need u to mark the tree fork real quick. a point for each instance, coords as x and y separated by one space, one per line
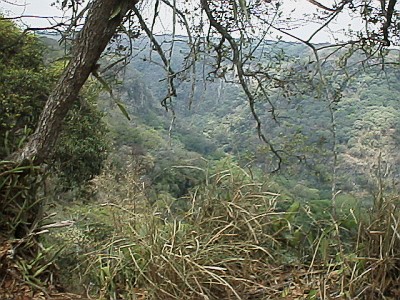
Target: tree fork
103 19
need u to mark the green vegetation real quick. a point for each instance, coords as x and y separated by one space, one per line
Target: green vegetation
24 86
82 146
147 208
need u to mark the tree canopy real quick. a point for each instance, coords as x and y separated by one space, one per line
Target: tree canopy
26 81
235 31
174 203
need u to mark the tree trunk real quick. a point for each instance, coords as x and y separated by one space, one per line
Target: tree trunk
103 19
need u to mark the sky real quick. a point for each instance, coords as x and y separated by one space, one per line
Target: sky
33 9
42 8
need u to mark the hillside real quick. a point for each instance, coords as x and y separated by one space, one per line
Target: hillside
213 119
155 197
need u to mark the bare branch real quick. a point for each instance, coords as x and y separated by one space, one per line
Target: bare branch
170 73
241 75
13 3
322 6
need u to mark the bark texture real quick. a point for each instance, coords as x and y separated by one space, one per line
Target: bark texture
103 19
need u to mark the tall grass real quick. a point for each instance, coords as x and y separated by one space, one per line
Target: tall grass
216 248
19 205
376 272
231 238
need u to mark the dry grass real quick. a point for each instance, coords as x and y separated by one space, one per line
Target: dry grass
228 240
376 273
214 249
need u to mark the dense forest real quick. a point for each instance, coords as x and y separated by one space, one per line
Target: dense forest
185 189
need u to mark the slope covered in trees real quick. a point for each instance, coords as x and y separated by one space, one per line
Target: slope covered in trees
265 178
213 119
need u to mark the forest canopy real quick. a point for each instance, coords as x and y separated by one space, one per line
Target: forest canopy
200 150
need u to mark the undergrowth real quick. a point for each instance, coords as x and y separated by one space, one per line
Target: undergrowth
229 238
25 265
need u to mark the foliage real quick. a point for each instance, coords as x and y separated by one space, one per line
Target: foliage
365 117
19 206
174 226
198 252
228 239
379 275
24 85
25 82
82 146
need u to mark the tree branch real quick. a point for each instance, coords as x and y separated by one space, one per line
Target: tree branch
103 19
241 75
322 6
389 14
171 74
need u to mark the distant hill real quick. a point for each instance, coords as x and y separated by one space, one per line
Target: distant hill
212 117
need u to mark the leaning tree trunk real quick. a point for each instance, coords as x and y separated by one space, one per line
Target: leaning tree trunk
19 208
102 21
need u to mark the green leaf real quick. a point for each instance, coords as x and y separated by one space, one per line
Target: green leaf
285 292
41 270
104 83
115 12
292 211
294 208
312 295
323 248
123 110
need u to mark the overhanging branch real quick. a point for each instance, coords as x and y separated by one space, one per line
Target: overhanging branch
241 75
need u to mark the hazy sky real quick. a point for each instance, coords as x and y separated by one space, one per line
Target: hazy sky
43 8
31 7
